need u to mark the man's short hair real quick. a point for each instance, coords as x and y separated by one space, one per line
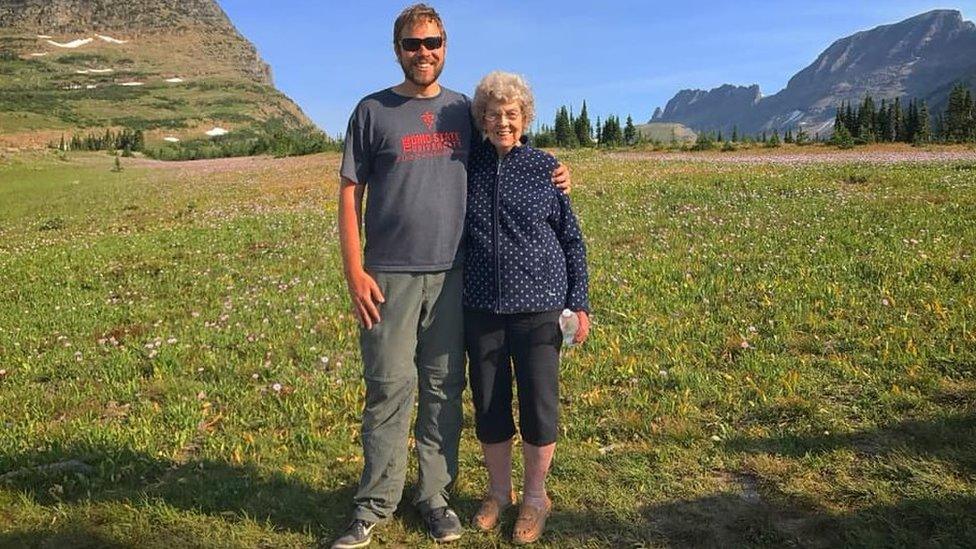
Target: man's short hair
417 13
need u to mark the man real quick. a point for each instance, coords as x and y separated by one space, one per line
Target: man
409 144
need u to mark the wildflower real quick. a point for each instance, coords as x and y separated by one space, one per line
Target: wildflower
276 387
171 340
663 373
254 376
3 373
885 302
324 360
744 344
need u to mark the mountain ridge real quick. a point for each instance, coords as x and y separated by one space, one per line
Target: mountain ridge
173 68
919 57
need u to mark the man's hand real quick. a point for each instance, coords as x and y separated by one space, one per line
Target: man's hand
561 179
584 327
366 297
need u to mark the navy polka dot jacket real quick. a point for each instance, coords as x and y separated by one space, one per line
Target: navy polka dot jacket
524 249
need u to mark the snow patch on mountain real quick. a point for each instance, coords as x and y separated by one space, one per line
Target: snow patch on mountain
73 44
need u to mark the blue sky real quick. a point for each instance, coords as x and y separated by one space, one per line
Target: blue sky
621 56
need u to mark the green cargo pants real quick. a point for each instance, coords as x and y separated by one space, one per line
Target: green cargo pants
418 344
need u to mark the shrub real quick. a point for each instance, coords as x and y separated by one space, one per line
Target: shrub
704 142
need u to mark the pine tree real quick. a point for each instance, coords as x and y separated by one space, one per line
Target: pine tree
801 137
735 134
630 132
866 120
898 121
851 120
970 117
842 138
958 115
612 135
923 132
599 131
565 136
882 121
583 128
703 142
912 122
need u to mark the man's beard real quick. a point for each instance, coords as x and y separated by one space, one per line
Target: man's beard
408 73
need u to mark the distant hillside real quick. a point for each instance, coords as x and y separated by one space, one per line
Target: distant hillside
666 132
920 57
176 68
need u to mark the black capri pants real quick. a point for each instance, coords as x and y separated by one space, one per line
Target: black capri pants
530 342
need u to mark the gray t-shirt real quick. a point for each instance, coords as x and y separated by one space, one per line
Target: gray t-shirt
411 153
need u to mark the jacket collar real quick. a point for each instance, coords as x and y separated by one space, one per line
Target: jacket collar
493 154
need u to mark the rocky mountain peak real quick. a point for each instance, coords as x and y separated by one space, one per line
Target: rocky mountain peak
919 57
69 19
132 16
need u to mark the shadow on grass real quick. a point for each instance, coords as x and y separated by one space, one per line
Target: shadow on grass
951 439
74 538
748 512
754 513
97 475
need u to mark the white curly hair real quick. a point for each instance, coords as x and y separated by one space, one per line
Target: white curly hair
504 87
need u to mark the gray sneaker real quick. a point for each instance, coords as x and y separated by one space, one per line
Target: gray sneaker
358 534
443 525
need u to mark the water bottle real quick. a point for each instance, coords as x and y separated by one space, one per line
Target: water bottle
568 325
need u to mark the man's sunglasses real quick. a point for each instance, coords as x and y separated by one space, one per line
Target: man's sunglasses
413 44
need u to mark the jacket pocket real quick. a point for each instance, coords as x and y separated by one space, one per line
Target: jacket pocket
544 272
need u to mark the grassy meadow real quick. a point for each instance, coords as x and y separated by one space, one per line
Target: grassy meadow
782 355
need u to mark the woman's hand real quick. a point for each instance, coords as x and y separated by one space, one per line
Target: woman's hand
584 327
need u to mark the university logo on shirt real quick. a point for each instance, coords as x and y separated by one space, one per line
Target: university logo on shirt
428 119
428 144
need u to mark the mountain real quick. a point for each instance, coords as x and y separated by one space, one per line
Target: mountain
174 68
920 57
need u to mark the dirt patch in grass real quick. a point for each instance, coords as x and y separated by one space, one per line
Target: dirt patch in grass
737 515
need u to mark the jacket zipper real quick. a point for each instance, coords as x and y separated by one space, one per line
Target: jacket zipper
498 261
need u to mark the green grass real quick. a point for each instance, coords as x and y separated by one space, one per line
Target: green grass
780 356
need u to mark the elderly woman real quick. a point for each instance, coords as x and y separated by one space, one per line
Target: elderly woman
525 262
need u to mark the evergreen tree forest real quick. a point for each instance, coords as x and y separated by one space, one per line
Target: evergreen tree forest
896 122
274 138
570 131
123 140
